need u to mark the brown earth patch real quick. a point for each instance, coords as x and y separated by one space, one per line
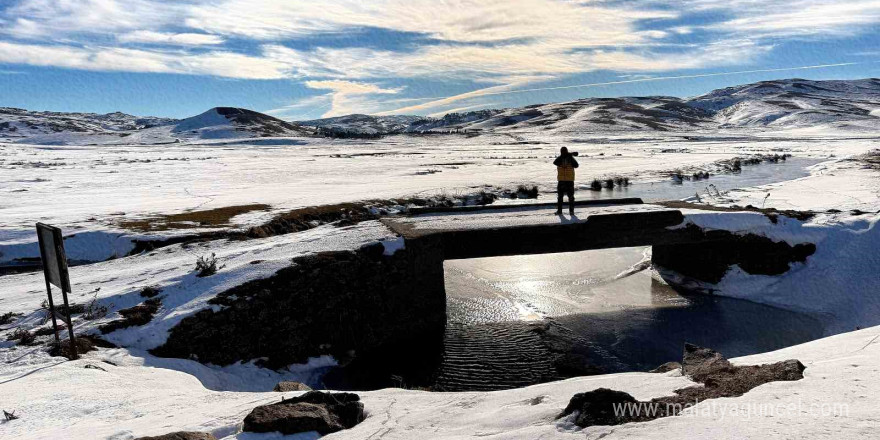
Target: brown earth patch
771 213
719 378
208 218
134 316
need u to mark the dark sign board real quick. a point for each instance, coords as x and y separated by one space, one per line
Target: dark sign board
55 270
52 253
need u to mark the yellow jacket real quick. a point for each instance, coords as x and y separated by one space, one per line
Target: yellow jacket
565 173
565 166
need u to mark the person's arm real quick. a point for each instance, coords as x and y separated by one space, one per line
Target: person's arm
574 162
558 161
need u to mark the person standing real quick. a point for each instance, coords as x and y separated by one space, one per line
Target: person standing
565 165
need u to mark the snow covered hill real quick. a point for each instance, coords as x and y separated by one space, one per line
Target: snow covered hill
18 124
794 103
781 104
218 123
365 124
50 128
849 105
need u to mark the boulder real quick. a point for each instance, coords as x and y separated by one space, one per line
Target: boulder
182 435
700 363
718 376
313 411
667 367
597 407
286 386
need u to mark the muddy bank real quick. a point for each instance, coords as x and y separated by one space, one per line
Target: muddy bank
716 251
341 303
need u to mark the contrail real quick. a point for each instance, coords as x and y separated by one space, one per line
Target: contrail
476 93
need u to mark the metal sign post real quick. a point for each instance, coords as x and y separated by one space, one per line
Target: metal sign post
55 271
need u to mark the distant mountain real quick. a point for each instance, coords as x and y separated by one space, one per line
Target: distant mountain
19 123
779 104
852 105
219 123
119 128
794 103
365 124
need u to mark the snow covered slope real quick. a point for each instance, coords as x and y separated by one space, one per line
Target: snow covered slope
218 123
850 105
790 103
794 103
48 128
365 124
54 127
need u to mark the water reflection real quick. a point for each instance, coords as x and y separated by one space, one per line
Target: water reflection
621 314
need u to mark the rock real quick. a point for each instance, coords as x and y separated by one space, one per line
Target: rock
286 386
700 363
718 376
182 436
667 367
313 411
597 407
291 418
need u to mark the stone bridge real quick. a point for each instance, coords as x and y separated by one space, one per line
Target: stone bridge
370 303
499 230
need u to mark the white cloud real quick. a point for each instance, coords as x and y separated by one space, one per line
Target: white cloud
505 43
349 87
59 18
183 39
792 18
576 24
348 96
500 63
217 63
443 102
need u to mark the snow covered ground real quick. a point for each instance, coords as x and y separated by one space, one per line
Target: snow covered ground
90 190
837 398
99 187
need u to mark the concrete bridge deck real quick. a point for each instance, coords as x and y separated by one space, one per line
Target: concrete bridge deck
474 232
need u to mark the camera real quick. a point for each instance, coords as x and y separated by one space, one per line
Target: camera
573 153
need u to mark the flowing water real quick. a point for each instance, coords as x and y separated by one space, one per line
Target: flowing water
617 310
755 175
606 308
625 317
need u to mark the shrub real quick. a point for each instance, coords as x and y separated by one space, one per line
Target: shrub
609 183
6 318
150 292
94 310
47 331
206 265
134 316
23 336
525 192
596 185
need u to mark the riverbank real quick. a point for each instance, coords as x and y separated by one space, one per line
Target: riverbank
130 396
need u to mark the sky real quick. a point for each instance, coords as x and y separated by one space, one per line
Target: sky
308 59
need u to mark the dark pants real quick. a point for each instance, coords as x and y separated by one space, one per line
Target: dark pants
564 188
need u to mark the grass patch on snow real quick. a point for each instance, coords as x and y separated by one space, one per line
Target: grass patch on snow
208 218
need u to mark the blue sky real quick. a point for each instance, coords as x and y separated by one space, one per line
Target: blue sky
308 59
